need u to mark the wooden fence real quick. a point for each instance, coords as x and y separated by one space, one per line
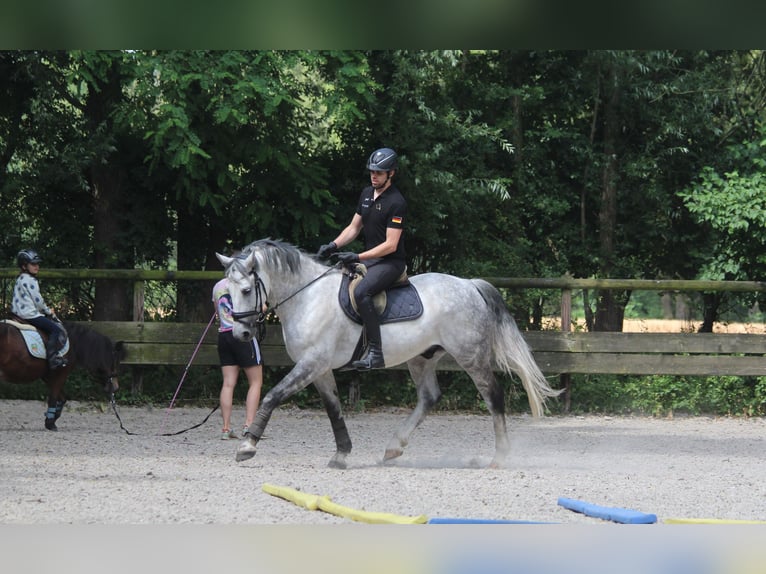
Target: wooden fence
557 352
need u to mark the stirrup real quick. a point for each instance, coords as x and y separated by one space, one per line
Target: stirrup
57 362
373 359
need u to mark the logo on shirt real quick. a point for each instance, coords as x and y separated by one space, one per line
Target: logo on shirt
396 219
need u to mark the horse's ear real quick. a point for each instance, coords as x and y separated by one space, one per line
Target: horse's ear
225 261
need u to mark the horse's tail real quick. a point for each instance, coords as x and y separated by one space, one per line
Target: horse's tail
511 352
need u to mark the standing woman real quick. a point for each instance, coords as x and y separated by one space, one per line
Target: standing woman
28 304
233 356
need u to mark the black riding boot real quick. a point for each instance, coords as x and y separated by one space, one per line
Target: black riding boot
374 357
55 342
52 352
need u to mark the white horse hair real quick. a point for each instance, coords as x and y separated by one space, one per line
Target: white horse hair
465 318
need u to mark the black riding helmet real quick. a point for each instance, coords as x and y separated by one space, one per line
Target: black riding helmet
26 256
384 159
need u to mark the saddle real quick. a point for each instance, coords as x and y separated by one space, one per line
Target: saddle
400 302
33 339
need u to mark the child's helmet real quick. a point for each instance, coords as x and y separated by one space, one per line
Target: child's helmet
28 256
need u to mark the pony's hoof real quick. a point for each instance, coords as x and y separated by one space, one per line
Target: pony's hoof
246 450
51 425
392 453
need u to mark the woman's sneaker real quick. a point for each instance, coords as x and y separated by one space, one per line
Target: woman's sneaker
228 434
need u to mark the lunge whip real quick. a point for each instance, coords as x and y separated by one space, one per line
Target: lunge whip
186 370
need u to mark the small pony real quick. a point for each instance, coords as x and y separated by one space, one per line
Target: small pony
94 352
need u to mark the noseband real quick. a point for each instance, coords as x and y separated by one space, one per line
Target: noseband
260 290
258 312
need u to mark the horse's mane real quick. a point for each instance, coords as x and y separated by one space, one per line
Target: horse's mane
278 254
92 350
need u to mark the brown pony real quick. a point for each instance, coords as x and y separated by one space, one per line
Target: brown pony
88 349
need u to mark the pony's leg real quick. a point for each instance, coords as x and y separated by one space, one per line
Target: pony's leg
50 415
55 404
492 393
423 372
328 390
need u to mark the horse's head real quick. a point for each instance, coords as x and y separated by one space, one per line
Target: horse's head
248 291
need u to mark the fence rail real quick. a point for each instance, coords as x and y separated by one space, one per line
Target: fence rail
556 352
564 284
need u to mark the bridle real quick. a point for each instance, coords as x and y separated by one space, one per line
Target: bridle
261 301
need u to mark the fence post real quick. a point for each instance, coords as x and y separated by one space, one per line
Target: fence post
566 327
139 302
139 291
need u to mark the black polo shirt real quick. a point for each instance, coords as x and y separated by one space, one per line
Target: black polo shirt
389 210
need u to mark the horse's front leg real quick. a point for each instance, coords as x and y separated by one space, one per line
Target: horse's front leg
328 390
297 379
56 402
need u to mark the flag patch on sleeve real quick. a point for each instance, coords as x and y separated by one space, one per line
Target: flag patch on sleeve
396 219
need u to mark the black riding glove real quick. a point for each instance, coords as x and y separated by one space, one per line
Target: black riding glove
326 250
348 257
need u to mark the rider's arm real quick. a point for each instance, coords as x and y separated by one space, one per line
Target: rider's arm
350 232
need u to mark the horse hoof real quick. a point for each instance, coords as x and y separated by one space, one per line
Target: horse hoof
498 463
391 454
51 426
246 450
336 462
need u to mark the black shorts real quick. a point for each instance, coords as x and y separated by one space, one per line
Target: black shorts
232 351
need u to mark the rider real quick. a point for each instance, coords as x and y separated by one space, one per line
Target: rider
28 304
381 211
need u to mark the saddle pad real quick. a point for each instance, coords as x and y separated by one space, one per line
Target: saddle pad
402 303
34 343
34 340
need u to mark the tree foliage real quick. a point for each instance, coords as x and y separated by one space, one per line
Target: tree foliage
530 163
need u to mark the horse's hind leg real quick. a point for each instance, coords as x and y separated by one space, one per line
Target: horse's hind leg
492 393
423 372
328 390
